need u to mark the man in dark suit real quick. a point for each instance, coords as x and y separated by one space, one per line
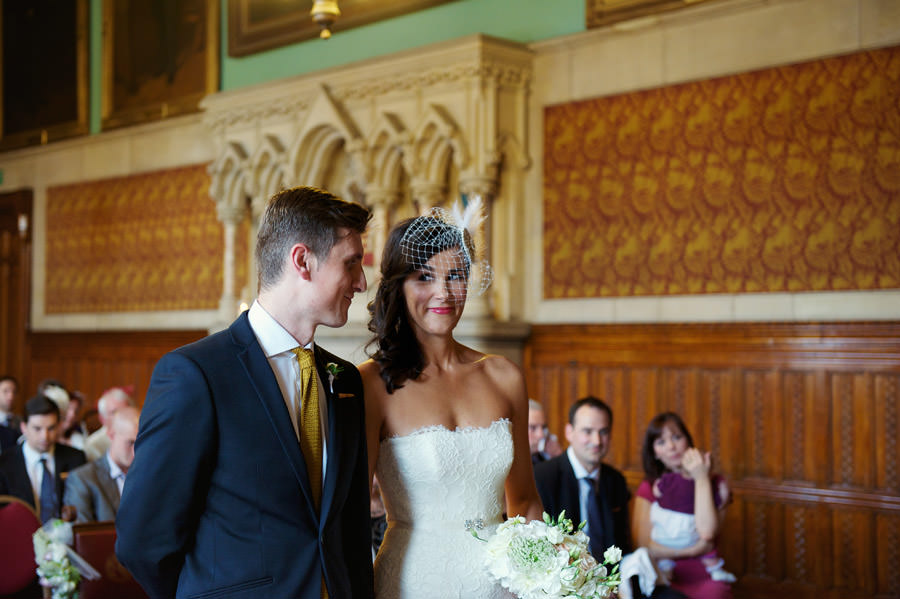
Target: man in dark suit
565 482
9 423
227 496
95 488
34 470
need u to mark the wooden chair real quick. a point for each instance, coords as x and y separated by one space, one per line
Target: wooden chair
18 521
96 542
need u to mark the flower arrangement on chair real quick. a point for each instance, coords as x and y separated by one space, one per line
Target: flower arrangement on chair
60 569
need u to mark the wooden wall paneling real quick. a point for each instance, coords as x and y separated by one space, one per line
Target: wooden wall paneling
803 418
731 547
842 434
548 384
854 543
887 430
609 385
732 424
887 554
863 429
797 534
91 362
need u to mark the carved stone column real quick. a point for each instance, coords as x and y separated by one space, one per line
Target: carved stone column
380 201
231 216
427 195
482 187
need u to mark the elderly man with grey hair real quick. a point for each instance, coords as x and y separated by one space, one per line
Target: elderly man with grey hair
109 403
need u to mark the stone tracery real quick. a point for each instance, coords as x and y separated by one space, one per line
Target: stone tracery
400 135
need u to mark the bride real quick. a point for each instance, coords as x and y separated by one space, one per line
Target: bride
446 425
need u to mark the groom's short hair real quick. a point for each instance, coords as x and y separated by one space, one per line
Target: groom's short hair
302 215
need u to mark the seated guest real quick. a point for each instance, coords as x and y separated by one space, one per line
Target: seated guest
73 431
32 470
94 489
580 483
111 400
541 443
53 390
9 422
681 494
537 431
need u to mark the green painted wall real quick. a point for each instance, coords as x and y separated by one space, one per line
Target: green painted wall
96 64
519 20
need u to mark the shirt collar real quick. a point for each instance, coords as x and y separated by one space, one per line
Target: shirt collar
580 471
114 470
32 457
273 338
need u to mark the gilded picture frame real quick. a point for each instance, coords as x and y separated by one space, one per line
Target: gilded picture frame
44 79
607 12
160 58
257 25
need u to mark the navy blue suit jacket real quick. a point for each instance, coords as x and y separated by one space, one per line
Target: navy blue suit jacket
14 477
217 502
558 488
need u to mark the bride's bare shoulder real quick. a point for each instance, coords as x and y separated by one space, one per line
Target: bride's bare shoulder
369 372
503 370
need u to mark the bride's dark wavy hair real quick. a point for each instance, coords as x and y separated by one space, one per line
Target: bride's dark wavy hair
397 351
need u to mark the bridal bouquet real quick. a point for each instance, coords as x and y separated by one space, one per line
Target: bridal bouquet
548 560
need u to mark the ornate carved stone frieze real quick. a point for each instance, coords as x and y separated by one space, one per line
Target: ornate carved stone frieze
400 134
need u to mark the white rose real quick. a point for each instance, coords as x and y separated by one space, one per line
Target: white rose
613 555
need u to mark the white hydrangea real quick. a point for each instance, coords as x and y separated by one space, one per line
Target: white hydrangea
547 560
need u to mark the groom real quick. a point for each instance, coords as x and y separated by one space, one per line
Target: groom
250 472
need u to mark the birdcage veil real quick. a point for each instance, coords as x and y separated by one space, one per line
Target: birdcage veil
456 229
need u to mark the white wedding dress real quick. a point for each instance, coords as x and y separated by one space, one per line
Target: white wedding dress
434 481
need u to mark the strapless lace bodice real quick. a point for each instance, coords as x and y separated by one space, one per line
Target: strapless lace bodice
433 481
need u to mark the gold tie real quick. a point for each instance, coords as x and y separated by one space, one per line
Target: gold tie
310 429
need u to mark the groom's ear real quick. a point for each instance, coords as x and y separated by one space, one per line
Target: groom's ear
302 261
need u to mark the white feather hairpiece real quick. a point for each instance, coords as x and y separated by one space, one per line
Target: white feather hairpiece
469 218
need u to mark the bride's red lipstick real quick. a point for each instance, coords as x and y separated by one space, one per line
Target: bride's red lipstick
441 310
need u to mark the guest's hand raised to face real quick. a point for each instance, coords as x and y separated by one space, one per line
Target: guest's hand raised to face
696 463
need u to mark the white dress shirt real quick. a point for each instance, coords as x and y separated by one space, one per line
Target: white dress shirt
277 344
115 473
36 470
583 486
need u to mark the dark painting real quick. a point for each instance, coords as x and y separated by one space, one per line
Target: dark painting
44 71
160 58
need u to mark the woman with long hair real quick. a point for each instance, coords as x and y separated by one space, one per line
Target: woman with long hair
679 509
447 425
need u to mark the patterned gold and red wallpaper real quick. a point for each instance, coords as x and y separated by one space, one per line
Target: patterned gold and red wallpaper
786 179
138 243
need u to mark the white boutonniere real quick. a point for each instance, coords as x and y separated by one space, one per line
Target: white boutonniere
333 371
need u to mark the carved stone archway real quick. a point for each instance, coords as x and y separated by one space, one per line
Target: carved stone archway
400 134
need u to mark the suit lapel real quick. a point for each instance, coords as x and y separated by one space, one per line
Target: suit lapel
604 493
338 446
269 394
20 484
572 497
108 486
